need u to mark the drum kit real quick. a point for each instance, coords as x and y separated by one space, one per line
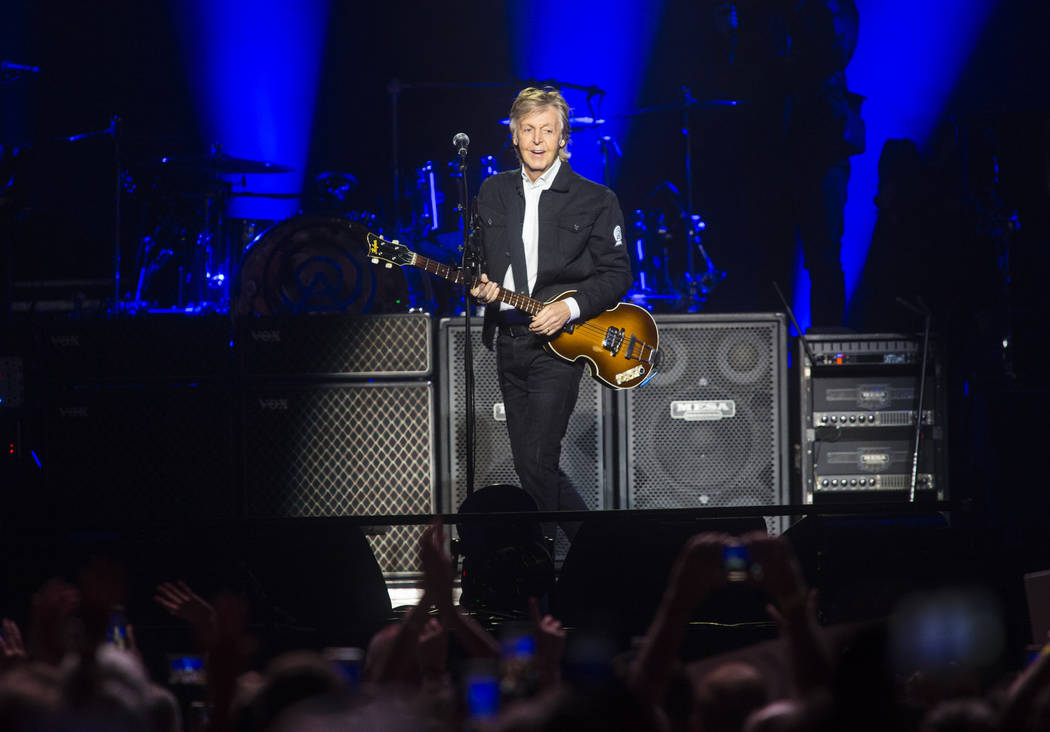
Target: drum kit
192 256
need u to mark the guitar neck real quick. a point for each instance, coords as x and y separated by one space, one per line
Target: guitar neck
514 299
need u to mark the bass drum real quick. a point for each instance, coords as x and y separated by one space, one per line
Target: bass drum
315 264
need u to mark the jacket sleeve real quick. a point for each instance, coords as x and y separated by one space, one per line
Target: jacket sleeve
611 278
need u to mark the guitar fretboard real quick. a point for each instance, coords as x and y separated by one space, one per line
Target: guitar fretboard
514 299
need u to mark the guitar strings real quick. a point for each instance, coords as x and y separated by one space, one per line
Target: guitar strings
458 276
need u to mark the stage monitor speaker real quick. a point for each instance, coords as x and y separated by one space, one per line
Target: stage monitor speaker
584 453
131 453
343 450
336 346
710 428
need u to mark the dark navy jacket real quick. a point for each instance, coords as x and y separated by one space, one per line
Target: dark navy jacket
582 242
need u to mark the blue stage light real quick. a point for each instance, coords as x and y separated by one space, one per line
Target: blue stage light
604 46
909 57
254 66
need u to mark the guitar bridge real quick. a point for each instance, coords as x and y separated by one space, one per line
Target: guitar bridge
640 351
613 340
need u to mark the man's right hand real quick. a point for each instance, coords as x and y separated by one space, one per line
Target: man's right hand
486 290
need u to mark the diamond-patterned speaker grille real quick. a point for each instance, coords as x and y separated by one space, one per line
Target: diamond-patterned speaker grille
581 455
704 431
338 345
346 450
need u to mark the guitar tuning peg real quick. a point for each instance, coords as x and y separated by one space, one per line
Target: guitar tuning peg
396 241
375 260
389 266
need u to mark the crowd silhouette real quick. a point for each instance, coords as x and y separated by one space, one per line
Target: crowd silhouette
438 667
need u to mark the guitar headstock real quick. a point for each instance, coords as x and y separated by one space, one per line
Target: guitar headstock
391 252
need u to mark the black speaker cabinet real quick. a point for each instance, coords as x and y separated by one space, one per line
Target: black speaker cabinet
336 346
585 449
858 408
343 450
118 453
710 428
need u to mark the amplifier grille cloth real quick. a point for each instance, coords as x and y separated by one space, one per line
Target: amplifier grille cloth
581 456
733 461
338 345
342 451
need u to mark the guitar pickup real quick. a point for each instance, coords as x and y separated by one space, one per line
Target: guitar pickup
613 340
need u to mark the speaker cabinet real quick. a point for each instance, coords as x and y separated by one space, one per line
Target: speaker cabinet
343 450
584 450
336 346
118 453
710 428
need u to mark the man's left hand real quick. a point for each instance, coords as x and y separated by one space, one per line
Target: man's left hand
551 319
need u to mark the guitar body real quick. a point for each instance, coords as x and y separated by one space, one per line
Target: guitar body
620 344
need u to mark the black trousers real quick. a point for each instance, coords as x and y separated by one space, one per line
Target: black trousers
539 394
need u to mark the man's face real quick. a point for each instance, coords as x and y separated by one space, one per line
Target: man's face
538 140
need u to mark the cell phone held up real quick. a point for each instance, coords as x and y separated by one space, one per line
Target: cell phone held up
737 562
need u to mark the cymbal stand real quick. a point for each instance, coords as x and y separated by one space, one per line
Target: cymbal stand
698 288
112 131
687 132
605 142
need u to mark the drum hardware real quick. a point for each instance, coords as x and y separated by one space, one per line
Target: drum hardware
314 264
114 132
207 259
576 124
336 187
217 162
694 285
11 71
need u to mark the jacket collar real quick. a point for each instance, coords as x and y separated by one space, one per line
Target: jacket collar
561 181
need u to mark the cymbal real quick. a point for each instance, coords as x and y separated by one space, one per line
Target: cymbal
575 123
683 105
222 164
252 194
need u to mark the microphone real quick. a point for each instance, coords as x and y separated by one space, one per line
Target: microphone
460 142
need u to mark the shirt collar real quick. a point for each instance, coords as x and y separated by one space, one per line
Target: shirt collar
544 180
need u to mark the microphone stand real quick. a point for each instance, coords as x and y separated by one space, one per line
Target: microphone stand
928 316
469 264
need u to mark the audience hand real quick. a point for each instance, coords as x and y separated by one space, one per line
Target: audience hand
12 650
438 572
51 617
433 647
182 602
699 569
778 571
550 642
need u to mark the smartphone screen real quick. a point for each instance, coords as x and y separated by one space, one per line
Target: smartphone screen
482 689
737 561
117 629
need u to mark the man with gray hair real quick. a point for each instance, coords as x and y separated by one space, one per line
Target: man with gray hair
546 230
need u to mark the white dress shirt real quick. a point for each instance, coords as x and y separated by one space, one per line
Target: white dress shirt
530 234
